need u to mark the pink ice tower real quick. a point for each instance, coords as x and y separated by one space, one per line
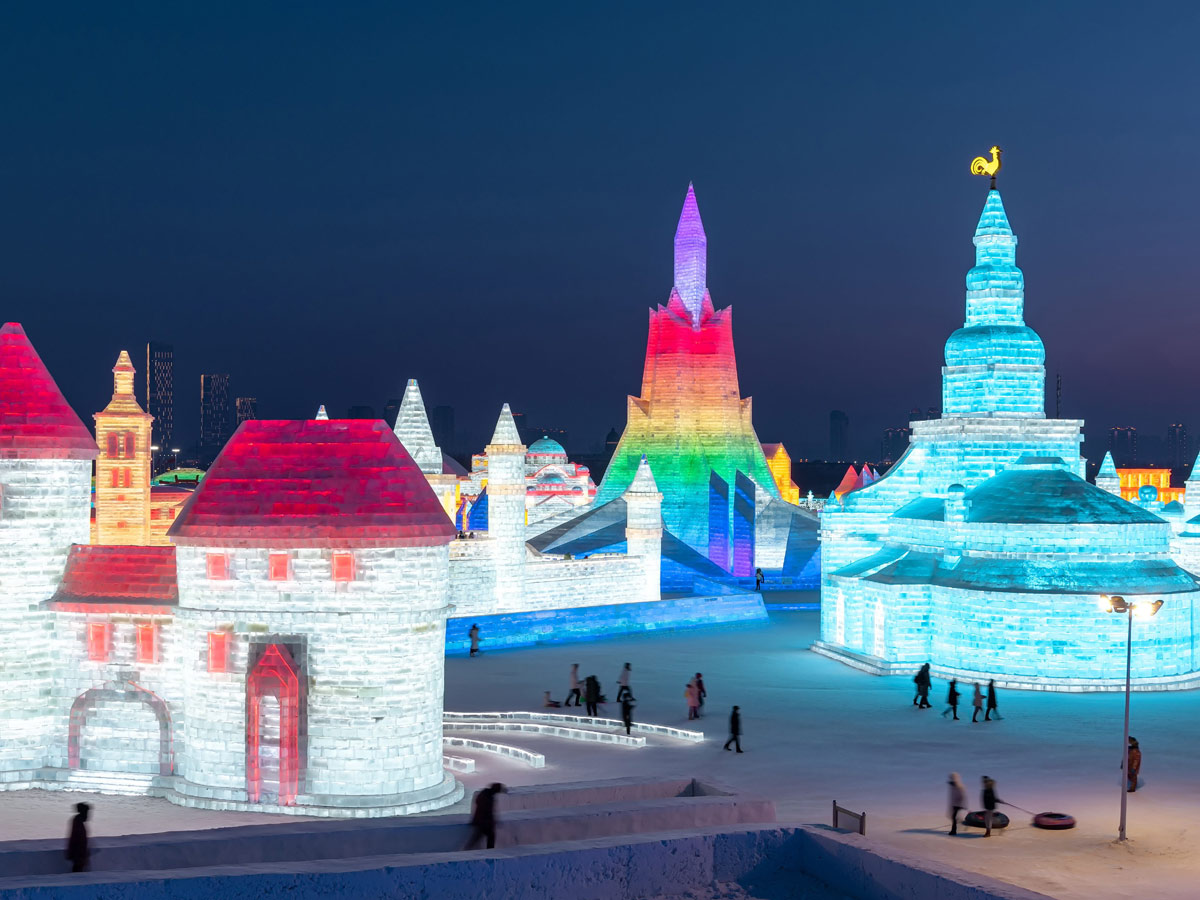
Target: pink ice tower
691 258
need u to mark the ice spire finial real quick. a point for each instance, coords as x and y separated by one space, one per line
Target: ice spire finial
691 256
506 429
1108 467
412 427
123 374
321 414
643 480
995 287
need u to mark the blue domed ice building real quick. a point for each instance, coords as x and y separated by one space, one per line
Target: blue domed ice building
983 550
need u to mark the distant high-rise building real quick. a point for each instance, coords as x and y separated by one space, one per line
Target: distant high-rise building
895 442
360 412
1178 448
215 418
1122 444
247 408
391 411
160 401
839 435
441 423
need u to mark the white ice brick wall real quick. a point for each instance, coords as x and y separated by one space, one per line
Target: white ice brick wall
44 509
373 657
506 520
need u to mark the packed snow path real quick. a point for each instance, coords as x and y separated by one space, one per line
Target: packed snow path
816 731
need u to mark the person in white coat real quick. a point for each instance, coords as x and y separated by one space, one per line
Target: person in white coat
574 691
958 800
623 690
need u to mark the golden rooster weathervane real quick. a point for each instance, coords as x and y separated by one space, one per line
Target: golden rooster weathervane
983 166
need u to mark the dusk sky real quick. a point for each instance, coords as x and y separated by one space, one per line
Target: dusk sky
327 199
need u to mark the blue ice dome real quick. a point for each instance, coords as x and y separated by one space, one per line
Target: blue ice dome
1147 493
545 446
551 478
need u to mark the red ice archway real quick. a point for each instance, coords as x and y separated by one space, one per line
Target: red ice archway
276 676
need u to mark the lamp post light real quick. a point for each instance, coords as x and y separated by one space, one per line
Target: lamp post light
1144 608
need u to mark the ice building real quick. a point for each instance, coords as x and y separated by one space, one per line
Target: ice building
722 508
983 550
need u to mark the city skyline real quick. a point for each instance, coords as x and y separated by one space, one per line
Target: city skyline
324 252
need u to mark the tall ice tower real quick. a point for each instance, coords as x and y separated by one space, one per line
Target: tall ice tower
690 419
123 469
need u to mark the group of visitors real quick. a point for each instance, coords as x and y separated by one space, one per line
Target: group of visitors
924 682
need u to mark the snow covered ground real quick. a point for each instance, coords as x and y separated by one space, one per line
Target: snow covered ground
817 731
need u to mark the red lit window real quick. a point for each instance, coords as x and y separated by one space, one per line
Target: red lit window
129 444
173 511
113 446
278 567
97 641
218 651
155 513
343 566
127 477
147 643
116 479
218 566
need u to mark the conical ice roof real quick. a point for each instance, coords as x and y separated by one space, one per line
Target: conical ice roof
643 480
321 414
36 422
506 429
412 427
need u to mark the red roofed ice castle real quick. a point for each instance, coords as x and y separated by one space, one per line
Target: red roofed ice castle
285 652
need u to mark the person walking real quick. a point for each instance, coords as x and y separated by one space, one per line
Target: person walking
77 842
574 691
977 702
473 634
735 729
483 819
958 800
1134 764
952 700
591 693
923 682
623 690
703 693
691 693
759 578
627 712
989 804
991 702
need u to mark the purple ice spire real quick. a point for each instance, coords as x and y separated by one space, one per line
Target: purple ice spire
691 256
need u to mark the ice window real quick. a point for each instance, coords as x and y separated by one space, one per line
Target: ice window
129 442
218 651
114 446
279 564
97 641
218 566
343 566
147 643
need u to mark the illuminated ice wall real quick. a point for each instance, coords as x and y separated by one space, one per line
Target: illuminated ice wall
690 420
983 550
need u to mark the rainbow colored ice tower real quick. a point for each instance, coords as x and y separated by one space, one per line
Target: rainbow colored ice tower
691 421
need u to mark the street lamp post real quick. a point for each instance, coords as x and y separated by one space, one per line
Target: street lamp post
1147 608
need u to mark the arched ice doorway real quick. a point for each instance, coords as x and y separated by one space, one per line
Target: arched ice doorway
120 727
274 707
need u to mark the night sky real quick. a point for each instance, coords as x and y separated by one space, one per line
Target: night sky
325 200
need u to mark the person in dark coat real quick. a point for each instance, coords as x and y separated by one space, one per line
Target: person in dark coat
991 703
627 712
735 729
702 692
759 578
952 700
483 819
1135 764
989 804
923 682
473 634
77 842
591 694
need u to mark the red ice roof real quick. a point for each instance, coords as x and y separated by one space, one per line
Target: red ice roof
36 421
313 483
119 576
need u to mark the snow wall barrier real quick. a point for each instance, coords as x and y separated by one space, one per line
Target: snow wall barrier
658 865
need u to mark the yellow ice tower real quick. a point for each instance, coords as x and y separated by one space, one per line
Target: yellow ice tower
123 467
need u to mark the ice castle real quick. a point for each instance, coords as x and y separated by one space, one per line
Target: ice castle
983 550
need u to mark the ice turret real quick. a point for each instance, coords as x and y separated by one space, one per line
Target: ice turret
1107 478
1191 493
691 257
123 467
412 427
995 363
321 414
643 527
506 429
506 510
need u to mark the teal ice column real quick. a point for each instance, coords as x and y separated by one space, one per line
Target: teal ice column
995 363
